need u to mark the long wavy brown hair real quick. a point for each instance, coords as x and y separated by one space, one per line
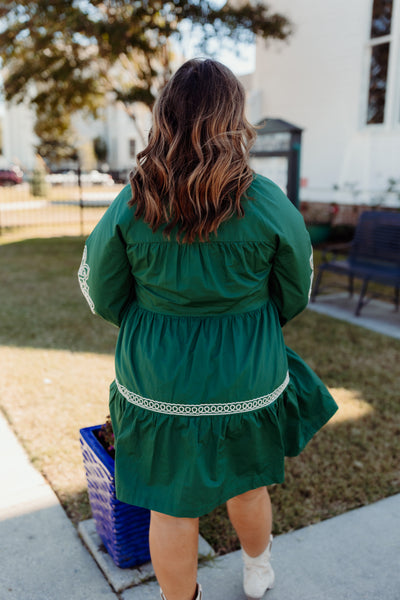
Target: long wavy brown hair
194 172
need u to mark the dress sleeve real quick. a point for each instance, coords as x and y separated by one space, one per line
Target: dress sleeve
292 270
105 274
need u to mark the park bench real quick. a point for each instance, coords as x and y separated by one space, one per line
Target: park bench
373 256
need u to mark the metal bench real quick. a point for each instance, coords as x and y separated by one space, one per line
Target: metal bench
373 255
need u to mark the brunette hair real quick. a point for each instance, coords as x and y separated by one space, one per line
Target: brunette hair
194 172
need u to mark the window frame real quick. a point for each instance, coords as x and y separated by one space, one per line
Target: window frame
132 142
391 118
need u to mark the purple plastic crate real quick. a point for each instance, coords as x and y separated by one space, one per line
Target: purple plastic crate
123 528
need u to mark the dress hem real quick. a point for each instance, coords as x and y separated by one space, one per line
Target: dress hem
248 484
193 514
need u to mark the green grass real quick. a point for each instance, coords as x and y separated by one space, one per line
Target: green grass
57 362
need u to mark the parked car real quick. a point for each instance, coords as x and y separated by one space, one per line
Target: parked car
71 178
62 178
97 178
10 176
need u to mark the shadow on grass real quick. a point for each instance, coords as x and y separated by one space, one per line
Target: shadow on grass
41 302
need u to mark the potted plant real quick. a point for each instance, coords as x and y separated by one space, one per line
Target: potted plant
319 218
123 528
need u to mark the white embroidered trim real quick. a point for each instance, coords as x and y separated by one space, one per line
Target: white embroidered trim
83 275
200 410
312 274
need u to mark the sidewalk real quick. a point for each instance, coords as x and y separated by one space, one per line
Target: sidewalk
351 557
376 315
41 555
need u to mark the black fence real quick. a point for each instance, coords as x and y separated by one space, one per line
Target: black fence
63 207
44 208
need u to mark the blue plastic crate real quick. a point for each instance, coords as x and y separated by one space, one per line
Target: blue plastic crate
123 528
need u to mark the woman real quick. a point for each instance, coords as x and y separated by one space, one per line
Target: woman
200 262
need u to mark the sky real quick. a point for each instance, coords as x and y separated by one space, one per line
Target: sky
241 61
244 65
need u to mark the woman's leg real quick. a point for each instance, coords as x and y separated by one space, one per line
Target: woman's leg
251 516
174 550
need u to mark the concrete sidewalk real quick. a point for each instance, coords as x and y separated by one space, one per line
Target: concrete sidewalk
355 556
377 316
41 555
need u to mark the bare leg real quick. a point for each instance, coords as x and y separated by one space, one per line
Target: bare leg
251 516
174 549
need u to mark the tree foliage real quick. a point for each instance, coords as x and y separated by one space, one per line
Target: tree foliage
65 56
100 149
57 140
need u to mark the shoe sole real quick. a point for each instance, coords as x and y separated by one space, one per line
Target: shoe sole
260 597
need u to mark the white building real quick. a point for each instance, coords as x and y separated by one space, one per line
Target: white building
115 127
18 139
337 78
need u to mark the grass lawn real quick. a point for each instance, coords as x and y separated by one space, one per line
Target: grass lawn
57 362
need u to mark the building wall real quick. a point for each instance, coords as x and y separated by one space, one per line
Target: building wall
120 129
319 81
18 136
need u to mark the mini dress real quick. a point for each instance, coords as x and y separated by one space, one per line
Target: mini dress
207 399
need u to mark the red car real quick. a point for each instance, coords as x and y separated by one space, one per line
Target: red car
10 177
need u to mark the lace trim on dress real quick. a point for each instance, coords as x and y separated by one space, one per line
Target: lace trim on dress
83 276
200 410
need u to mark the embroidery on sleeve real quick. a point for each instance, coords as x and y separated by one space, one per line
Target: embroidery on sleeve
312 273
83 276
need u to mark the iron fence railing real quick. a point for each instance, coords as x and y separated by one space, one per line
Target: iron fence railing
62 209
42 208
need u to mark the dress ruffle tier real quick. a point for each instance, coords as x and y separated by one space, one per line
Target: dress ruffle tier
185 466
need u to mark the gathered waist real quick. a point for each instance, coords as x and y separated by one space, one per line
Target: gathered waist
201 300
187 313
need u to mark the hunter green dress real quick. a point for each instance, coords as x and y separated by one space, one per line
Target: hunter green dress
207 399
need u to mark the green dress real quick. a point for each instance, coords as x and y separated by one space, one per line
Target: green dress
207 399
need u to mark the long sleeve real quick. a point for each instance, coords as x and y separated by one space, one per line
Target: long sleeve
105 274
292 271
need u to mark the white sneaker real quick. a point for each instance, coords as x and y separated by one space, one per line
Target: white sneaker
258 576
199 595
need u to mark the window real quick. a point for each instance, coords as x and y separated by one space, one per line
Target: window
381 18
380 47
132 148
